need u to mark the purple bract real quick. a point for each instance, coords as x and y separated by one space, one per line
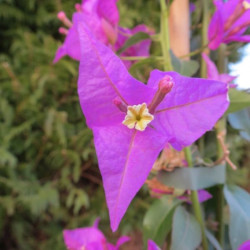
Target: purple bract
132 122
213 73
102 17
229 22
90 238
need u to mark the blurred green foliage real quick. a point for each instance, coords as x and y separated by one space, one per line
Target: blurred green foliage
49 179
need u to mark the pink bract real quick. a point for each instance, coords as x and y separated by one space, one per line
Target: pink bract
125 155
91 238
229 23
245 245
213 73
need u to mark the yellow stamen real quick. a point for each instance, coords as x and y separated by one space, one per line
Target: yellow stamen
138 117
246 5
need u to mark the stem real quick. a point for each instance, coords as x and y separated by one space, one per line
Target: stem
164 37
136 58
195 52
195 201
220 128
205 23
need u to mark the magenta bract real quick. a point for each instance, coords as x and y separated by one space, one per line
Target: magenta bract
213 73
126 155
229 22
245 245
90 238
102 17
152 245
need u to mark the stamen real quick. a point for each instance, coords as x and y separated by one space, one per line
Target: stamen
246 5
120 104
63 31
109 31
238 12
63 18
138 117
165 85
237 29
78 7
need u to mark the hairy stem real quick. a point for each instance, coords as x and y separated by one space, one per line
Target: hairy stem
220 128
164 37
195 202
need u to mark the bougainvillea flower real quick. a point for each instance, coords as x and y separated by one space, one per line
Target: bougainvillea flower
118 108
213 73
245 245
101 16
138 49
229 22
152 245
203 196
90 238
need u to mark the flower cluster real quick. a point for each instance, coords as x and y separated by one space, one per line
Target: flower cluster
229 22
132 122
102 17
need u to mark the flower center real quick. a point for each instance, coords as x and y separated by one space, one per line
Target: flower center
246 5
138 117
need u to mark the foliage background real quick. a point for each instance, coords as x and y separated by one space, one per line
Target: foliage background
49 178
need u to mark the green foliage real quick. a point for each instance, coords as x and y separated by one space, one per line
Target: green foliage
239 206
186 231
158 227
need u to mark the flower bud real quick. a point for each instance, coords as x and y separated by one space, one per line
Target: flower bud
63 31
120 104
63 18
166 84
78 7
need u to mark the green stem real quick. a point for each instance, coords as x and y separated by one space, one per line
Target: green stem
195 52
195 202
136 58
205 23
220 128
164 37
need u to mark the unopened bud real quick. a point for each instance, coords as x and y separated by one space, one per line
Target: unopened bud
63 31
78 7
61 15
120 104
63 18
166 84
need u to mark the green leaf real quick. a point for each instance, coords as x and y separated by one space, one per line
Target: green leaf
241 120
158 219
239 207
184 67
193 178
238 100
213 240
186 231
138 37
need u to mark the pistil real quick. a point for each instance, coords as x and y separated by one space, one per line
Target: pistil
63 18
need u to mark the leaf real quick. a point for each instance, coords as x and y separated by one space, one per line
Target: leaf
238 100
186 231
239 207
193 178
241 120
213 240
157 227
184 67
138 37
